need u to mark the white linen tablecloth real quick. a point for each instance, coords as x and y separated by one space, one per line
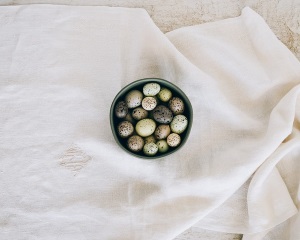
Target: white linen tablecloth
62 176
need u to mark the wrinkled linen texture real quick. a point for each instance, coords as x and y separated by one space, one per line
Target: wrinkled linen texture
62 175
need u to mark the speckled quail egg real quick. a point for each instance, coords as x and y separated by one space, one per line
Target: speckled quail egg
135 143
125 129
150 139
133 98
151 89
162 114
121 109
179 124
164 94
173 140
139 113
162 146
162 131
149 103
150 149
176 105
145 127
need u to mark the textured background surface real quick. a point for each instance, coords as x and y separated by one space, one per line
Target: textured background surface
283 16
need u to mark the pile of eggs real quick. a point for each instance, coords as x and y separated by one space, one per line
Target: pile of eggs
151 119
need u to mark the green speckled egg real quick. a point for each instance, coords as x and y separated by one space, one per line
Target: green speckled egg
162 146
145 127
133 98
151 89
179 124
164 94
150 149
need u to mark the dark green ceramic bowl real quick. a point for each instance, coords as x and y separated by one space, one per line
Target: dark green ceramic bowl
114 121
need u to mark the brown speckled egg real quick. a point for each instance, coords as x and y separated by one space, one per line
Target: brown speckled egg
125 129
135 143
139 113
149 103
162 114
150 139
133 98
121 109
173 140
162 131
176 105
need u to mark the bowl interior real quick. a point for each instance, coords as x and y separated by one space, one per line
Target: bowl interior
114 121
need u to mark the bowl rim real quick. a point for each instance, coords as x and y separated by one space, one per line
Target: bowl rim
147 80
